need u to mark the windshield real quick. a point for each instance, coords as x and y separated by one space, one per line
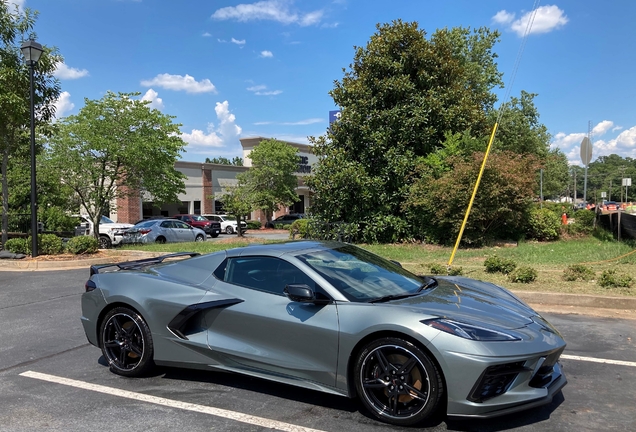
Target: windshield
199 218
360 275
104 219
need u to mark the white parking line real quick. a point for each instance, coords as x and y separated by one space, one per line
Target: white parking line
598 360
231 415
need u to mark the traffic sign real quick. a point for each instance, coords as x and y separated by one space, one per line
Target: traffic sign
586 151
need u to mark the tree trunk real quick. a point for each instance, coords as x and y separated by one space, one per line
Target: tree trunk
5 195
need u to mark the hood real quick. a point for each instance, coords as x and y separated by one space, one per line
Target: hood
115 225
472 301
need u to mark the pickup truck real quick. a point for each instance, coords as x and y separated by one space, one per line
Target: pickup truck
109 231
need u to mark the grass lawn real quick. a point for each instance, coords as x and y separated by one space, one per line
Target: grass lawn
549 259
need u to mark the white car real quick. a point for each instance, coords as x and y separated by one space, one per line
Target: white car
228 223
110 232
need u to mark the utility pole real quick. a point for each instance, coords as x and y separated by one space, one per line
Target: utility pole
574 198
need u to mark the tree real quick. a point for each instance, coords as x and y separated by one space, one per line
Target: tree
271 181
400 98
236 161
16 26
556 175
236 202
114 147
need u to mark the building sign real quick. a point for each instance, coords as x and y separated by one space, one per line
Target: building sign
334 116
303 165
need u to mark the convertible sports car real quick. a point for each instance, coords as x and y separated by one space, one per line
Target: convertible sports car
332 317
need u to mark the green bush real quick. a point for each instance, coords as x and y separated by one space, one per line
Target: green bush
253 224
543 225
455 271
82 245
578 272
17 245
583 223
611 279
523 275
56 219
50 244
495 264
300 228
438 269
279 226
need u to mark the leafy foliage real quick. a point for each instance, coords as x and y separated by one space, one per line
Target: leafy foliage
17 245
612 279
437 269
496 264
401 97
300 228
56 219
578 272
236 161
82 245
544 225
236 203
271 181
50 244
115 147
523 275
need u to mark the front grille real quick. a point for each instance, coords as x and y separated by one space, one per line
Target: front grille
543 375
495 380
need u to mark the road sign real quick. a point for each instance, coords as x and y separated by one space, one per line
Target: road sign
627 182
586 151
603 194
334 116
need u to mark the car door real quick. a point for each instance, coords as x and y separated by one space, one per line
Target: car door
184 231
267 333
169 231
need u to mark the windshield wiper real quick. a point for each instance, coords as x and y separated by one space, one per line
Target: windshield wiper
391 297
429 283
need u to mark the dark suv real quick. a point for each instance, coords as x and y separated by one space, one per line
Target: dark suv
287 219
210 227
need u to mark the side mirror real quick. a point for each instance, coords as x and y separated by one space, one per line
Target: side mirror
397 263
301 293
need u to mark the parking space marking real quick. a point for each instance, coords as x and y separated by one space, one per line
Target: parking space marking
598 360
217 412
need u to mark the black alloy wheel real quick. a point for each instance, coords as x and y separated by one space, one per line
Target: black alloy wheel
126 342
398 382
104 242
229 230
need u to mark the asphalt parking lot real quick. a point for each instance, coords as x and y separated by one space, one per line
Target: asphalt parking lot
52 379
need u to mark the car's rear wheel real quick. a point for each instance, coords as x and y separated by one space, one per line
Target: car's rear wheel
397 381
199 238
229 230
126 342
160 240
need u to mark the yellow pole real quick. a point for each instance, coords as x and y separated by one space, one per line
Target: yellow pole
472 198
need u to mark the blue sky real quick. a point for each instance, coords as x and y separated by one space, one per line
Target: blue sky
230 69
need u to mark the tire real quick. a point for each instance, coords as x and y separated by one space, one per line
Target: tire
160 240
214 235
229 230
126 342
105 242
199 238
397 382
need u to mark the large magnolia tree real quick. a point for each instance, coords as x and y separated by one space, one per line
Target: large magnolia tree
114 147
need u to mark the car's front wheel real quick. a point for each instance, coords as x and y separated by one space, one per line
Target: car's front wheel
397 381
229 230
126 342
105 242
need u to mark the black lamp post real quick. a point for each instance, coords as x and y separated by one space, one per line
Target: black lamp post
32 51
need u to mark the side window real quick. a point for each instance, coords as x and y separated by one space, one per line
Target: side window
167 224
262 273
182 225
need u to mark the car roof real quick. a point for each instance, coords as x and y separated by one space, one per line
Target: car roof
290 247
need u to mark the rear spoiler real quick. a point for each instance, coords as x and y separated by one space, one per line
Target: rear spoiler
135 265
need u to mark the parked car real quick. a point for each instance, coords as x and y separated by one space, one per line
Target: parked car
162 231
331 317
110 232
228 223
287 219
212 228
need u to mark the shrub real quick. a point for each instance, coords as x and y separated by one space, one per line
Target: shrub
301 228
82 245
56 219
279 226
611 279
455 271
17 245
438 269
50 244
495 264
578 272
583 223
523 275
543 225
253 224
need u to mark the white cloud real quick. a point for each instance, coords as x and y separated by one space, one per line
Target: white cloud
64 72
63 105
602 127
178 82
296 123
206 34
547 18
261 90
238 42
18 3
226 134
155 101
267 54
273 10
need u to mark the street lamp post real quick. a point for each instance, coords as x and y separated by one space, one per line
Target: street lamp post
32 51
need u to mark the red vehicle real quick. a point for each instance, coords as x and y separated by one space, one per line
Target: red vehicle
210 227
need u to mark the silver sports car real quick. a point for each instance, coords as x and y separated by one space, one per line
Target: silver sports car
331 317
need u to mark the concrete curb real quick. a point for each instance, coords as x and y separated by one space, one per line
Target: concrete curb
536 299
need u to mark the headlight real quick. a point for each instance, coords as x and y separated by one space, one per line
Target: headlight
469 331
